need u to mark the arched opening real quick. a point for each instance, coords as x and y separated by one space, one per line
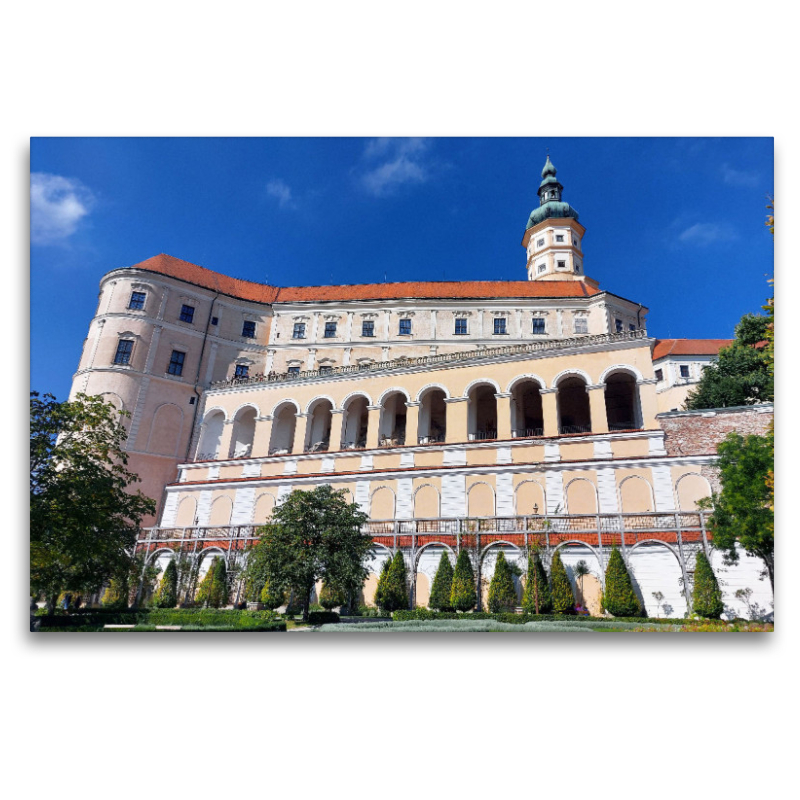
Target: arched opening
691 488
186 513
622 402
635 495
527 417
382 504
393 420
318 432
656 575
432 425
587 588
480 500
581 497
530 499
573 406
210 436
426 502
221 510
284 421
166 430
265 504
356 423
482 412
244 429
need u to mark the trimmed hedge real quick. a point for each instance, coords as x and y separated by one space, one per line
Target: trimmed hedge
502 594
442 584
322 617
273 627
619 598
462 590
204 617
563 598
521 619
706 596
537 597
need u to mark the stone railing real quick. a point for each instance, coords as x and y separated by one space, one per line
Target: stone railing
432 361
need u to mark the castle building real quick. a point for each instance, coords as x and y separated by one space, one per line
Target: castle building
479 414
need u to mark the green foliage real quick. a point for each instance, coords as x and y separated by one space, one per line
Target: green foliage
395 589
167 594
313 535
194 617
502 594
442 584
462 592
537 597
619 598
580 571
272 597
741 374
742 512
331 597
563 599
322 617
382 579
213 589
707 597
84 517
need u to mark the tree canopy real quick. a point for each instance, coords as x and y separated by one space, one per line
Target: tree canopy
312 536
84 515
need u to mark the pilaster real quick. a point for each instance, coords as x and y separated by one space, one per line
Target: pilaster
262 436
503 415
373 426
225 440
549 411
337 420
597 407
457 408
412 423
300 433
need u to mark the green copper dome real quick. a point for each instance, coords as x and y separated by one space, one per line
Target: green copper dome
551 206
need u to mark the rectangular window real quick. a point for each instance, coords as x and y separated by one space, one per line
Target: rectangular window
215 320
562 264
405 327
499 326
330 330
538 326
461 327
325 368
367 328
241 371
540 243
631 327
618 325
187 313
137 300
574 241
124 350
559 238
542 267
581 325
299 330
249 330
684 371
176 363
293 370
659 375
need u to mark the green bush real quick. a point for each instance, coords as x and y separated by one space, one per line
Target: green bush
272 597
563 598
707 597
502 594
203 617
395 590
167 594
462 592
322 617
618 597
384 576
537 597
330 597
442 584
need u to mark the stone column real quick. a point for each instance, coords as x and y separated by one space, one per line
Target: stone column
550 411
262 436
457 408
337 420
225 440
503 415
412 423
373 426
300 433
597 407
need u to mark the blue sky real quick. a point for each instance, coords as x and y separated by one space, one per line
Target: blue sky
676 224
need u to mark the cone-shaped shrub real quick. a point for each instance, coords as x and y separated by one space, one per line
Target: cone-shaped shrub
707 598
563 599
442 584
381 587
619 598
395 590
167 594
331 597
537 598
462 591
272 598
204 590
219 590
502 594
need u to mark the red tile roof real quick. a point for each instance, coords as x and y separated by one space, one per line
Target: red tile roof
261 293
688 347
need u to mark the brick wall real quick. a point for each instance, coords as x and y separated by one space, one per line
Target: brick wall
699 432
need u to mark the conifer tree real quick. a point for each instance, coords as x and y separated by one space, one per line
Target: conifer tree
381 587
502 594
330 597
395 591
272 596
204 590
462 592
563 599
442 584
167 594
619 598
219 585
537 598
707 597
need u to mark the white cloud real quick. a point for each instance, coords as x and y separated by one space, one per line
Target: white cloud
739 177
706 233
282 192
403 163
58 205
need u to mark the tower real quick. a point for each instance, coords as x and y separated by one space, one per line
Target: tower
553 234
